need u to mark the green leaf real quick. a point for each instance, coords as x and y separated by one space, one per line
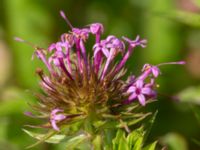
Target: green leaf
138 144
53 139
134 121
151 146
109 135
135 139
97 142
120 142
42 139
75 141
149 125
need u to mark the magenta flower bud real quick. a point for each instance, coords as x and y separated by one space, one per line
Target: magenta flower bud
96 28
148 70
56 118
82 34
155 71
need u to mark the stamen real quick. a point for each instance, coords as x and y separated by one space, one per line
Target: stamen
66 19
173 63
26 42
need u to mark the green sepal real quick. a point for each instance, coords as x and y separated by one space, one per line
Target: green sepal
135 139
97 142
120 142
151 146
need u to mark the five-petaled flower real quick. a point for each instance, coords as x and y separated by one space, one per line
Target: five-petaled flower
140 90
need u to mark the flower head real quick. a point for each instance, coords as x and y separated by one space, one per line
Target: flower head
84 88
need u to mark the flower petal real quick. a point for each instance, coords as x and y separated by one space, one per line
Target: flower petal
131 89
132 97
146 91
142 99
55 127
56 111
59 117
139 83
105 52
155 71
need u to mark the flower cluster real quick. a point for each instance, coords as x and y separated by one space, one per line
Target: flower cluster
80 86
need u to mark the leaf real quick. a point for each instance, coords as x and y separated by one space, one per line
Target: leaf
97 142
151 146
75 141
98 124
135 139
138 144
109 135
42 139
134 121
53 139
119 142
149 124
190 95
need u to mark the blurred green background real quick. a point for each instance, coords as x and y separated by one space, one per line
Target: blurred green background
172 28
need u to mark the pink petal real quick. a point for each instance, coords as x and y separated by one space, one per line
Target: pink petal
59 117
55 127
139 83
51 47
131 89
141 99
132 97
56 111
96 51
105 52
146 91
155 71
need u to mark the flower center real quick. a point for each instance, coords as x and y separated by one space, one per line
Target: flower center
138 91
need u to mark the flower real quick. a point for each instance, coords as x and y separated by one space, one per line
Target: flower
140 90
96 28
109 47
89 90
55 118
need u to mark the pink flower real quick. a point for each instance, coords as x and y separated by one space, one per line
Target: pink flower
96 28
139 91
55 118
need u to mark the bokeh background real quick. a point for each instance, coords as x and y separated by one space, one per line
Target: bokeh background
172 28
